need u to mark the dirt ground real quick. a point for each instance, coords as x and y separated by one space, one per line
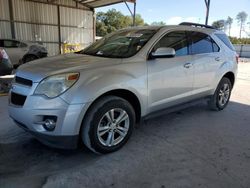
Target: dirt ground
190 148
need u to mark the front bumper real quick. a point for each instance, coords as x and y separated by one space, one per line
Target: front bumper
62 142
31 114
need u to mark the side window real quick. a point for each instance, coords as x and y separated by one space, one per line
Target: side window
23 45
201 43
176 40
1 43
225 40
11 44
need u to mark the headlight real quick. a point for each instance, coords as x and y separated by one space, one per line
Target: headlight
54 86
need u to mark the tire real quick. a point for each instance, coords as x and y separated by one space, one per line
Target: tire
224 88
98 129
29 58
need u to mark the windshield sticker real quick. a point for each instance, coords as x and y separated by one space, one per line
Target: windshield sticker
99 53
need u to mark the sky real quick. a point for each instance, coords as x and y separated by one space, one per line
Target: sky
176 11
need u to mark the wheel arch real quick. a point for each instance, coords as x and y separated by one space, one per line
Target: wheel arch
230 75
125 94
27 55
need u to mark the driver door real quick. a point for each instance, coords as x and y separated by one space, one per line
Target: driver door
170 79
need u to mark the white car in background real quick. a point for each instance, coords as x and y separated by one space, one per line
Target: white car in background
21 51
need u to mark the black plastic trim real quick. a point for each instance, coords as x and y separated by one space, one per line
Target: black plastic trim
23 81
197 25
61 142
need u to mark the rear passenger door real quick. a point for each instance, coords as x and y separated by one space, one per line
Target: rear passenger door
206 61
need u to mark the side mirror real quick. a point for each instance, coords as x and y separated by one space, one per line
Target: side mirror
163 52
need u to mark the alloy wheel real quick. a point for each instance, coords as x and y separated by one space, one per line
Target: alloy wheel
113 127
224 94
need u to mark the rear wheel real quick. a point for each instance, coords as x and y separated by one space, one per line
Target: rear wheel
222 95
108 124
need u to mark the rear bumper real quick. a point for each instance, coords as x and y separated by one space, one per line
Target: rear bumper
61 142
5 67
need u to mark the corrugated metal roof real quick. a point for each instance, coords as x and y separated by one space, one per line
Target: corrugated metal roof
89 4
101 3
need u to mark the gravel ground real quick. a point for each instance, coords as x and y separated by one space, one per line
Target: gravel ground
190 148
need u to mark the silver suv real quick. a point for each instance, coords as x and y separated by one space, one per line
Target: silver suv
97 95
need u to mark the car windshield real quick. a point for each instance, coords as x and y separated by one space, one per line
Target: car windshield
121 44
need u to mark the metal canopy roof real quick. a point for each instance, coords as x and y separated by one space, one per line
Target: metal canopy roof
101 3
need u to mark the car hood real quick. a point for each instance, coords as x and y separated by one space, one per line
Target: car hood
41 68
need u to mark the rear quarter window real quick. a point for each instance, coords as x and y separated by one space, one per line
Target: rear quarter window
225 40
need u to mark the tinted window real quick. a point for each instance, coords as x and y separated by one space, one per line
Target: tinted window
1 43
225 40
11 44
176 40
201 43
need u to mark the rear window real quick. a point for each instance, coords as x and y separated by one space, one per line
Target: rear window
225 40
11 44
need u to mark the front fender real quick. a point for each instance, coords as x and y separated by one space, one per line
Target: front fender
95 83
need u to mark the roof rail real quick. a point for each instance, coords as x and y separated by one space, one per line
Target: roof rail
197 25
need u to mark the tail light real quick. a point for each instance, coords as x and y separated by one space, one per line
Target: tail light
3 54
237 58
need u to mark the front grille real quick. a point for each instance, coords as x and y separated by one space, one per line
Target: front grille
17 99
23 81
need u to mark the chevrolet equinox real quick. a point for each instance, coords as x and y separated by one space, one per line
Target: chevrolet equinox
97 95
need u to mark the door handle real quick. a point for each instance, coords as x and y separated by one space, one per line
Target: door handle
187 65
217 59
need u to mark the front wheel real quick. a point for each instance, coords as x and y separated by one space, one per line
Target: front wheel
221 96
108 124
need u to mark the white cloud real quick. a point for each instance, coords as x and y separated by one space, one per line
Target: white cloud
235 31
174 20
192 19
177 19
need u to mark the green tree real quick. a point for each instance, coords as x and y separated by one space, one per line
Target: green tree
219 24
138 20
236 40
229 23
241 17
101 29
158 23
112 20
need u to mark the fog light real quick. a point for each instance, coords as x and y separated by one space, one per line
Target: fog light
49 124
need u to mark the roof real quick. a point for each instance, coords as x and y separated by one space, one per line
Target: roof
101 3
164 28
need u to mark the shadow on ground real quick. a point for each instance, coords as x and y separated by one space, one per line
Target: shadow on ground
193 147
